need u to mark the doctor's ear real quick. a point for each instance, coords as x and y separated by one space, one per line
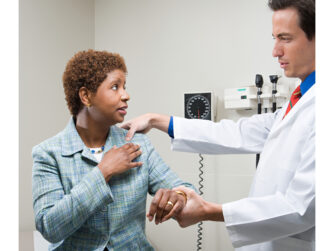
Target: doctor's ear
85 96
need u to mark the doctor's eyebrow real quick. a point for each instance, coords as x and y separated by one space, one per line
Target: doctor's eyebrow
282 35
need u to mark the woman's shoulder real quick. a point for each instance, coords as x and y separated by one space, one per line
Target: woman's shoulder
120 133
50 144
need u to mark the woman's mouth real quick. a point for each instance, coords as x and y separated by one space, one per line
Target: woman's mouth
122 110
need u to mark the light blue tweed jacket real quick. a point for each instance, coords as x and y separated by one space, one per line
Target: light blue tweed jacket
75 209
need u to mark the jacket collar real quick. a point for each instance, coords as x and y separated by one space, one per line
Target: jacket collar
304 100
307 83
72 143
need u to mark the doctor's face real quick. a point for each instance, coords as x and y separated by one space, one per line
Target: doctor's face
295 53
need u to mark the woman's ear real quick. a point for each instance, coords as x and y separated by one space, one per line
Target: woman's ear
85 96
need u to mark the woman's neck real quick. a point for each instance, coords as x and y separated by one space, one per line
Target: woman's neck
93 133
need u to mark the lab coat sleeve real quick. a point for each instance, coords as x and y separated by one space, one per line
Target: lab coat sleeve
247 135
259 219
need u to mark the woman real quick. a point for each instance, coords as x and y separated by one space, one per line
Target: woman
89 186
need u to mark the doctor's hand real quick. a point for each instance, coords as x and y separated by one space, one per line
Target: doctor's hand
197 209
165 204
145 123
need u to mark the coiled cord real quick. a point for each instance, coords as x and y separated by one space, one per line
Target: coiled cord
200 183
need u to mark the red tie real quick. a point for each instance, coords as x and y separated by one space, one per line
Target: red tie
293 100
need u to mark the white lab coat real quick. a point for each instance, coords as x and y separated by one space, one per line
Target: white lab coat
279 213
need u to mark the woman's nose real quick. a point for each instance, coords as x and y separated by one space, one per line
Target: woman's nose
125 96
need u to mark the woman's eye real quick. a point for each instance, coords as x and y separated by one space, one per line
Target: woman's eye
114 87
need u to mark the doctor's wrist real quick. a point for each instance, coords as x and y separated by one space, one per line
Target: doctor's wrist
213 211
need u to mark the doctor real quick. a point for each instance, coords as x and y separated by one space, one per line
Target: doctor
279 213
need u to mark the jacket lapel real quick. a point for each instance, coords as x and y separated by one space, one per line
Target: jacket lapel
72 143
281 123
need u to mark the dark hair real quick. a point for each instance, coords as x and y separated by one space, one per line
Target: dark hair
306 13
88 69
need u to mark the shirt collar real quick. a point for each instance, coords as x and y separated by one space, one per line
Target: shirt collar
72 142
307 83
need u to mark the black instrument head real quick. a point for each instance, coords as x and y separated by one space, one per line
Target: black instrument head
273 79
258 80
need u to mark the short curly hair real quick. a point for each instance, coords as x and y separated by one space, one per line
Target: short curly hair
88 69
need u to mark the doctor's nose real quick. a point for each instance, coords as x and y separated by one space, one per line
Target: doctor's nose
277 51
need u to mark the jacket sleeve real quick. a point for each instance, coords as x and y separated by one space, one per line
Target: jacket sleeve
160 175
58 215
247 135
259 219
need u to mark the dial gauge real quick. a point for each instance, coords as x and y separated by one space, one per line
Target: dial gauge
198 106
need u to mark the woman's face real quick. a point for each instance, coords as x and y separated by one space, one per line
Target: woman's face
109 103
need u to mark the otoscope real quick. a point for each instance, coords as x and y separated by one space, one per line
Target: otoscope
273 80
259 84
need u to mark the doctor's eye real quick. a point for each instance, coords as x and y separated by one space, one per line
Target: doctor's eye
114 87
285 39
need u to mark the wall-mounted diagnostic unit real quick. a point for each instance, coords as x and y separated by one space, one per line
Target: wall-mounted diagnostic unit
246 97
261 96
200 105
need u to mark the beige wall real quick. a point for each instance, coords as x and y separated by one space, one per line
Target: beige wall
170 47
50 32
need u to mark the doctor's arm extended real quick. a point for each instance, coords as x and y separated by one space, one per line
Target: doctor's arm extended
264 218
247 135
145 123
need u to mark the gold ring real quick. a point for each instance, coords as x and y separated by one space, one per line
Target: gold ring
170 203
182 193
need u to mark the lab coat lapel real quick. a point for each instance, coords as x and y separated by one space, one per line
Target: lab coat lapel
291 116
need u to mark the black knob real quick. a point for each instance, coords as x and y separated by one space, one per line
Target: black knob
273 79
258 80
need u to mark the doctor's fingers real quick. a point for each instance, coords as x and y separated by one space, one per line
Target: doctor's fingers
132 126
140 124
130 133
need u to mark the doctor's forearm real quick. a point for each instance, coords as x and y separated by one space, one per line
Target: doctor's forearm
159 121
